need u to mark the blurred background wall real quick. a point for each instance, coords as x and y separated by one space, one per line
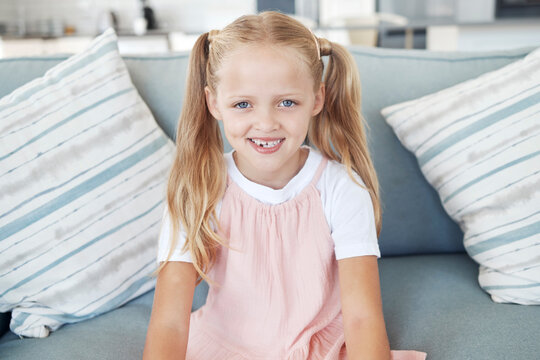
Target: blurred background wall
50 26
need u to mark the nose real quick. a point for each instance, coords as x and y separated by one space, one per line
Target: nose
266 121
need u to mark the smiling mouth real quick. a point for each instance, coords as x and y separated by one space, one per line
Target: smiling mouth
266 144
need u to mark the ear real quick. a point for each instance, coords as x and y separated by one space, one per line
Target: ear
211 103
319 100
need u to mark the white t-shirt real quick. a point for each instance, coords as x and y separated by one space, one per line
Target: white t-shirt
347 207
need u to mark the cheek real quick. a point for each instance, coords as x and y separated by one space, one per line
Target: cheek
300 124
235 127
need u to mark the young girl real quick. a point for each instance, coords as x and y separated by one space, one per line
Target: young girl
285 234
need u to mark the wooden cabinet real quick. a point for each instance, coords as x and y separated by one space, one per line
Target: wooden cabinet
23 47
18 47
497 35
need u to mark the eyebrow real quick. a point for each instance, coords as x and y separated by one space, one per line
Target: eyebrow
284 95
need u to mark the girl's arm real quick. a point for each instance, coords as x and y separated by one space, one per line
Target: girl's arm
361 306
168 329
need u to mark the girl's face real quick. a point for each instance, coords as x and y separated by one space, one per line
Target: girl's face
265 97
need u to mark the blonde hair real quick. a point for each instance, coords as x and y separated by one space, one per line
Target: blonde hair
197 178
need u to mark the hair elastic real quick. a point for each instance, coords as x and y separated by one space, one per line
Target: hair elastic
212 34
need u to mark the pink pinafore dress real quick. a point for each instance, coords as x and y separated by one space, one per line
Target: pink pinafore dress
279 296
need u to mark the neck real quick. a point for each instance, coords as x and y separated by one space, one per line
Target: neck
271 179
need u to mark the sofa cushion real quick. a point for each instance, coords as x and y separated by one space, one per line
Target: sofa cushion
478 144
84 167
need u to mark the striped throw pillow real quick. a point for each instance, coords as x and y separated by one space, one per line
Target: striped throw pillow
478 144
83 168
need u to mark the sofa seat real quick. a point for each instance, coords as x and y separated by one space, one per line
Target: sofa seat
431 302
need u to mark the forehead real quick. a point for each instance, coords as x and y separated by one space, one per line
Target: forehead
257 68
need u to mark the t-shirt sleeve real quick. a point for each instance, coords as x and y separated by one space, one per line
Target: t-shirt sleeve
165 241
352 218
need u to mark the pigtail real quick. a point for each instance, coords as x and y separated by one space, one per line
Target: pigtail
338 130
197 177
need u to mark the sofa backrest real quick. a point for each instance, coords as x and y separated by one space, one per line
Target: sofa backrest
414 221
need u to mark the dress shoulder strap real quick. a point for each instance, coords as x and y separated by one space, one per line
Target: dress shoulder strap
319 171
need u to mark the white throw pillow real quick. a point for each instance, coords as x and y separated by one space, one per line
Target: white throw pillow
83 170
478 144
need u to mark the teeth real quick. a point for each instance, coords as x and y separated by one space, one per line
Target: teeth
266 144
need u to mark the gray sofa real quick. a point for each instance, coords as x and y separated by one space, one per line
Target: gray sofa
431 298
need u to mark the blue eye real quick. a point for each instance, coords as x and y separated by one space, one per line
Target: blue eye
288 103
242 105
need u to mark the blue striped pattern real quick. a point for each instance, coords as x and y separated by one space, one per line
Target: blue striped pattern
83 170
478 144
